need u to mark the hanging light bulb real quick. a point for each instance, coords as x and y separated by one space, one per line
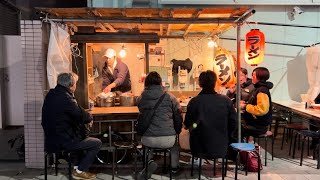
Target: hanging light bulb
211 43
123 52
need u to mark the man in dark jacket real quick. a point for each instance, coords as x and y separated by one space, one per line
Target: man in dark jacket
115 73
246 85
62 119
211 119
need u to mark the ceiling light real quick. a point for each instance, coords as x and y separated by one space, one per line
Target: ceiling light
211 43
123 52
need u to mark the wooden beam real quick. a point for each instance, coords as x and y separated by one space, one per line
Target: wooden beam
218 30
161 30
101 26
195 16
168 29
115 38
110 27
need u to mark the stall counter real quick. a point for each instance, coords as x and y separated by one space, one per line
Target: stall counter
101 111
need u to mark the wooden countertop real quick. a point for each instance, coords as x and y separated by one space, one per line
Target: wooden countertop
114 110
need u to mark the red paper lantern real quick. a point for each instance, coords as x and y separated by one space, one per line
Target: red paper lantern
254 47
224 67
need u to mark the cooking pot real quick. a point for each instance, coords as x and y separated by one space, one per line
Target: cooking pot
105 101
126 100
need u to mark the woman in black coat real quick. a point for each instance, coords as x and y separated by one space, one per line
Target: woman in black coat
211 119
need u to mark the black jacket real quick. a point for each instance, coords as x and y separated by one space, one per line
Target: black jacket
254 117
62 119
215 119
246 90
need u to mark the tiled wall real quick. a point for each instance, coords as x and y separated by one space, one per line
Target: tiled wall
32 53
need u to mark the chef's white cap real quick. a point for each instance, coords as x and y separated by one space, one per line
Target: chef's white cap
110 53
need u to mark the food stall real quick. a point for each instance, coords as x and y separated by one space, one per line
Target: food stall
171 41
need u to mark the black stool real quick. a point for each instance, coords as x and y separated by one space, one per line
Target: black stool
127 145
289 128
246 147
307 134
266 136
146 155
224 165
46 153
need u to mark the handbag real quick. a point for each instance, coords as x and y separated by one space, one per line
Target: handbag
252 156
145 116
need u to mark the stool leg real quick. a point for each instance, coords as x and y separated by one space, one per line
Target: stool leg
192 161
236 173
299 137
165 162
226 167
318 163
200 160
56 163
290 141
147 163
247 163
222 170
214 167
135 162
284 133
265 151
294 145
113 163
301 156
144 157
45 166
259 162
69 167
170 167
308 146
272 143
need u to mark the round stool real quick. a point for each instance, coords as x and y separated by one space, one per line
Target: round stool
246 147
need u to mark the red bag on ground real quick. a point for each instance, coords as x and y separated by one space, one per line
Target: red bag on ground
252 160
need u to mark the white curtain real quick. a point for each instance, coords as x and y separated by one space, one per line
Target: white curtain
313 65
59 53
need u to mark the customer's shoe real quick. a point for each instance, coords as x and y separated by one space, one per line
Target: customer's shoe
195 162
83 175
175 170
152 167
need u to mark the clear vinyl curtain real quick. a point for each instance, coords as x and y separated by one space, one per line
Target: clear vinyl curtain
59 53
313 65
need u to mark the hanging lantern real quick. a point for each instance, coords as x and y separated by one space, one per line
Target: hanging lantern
224 67
254 47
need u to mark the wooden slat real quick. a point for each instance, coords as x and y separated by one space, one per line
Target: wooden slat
114 110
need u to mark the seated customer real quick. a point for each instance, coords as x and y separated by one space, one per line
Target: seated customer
165 124
62 122
231 93
246 85
211 119
258 110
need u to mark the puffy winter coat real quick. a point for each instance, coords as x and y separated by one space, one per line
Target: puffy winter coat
167 120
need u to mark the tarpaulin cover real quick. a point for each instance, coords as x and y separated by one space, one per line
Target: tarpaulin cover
59 53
